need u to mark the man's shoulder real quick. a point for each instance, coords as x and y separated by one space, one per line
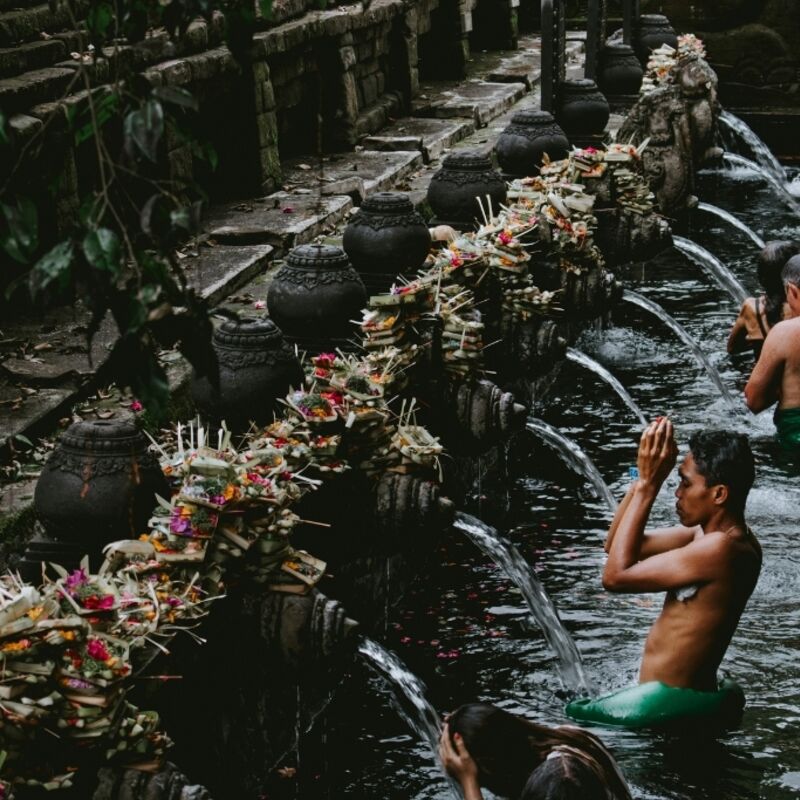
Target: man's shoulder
787 328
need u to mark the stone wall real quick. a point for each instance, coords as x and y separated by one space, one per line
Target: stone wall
326 77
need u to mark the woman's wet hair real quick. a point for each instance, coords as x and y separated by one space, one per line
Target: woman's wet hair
508 748
564 777
499 743
771 261
725 457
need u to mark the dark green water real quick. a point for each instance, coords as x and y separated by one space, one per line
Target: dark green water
466 634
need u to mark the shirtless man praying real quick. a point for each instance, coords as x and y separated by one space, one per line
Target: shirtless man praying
708 565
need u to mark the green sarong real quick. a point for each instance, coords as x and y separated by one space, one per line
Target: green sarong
787 424
654 704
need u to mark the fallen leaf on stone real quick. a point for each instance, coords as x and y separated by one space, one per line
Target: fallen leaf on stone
304 166
259 304
29 390
286 772
104 414
288 210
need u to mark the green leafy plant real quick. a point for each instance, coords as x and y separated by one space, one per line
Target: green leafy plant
119 255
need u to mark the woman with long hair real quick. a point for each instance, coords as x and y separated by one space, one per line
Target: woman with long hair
483 745
759 314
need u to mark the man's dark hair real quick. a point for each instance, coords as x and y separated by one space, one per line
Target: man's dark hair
725 457
791 271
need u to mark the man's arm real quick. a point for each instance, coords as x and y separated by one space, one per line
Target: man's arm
700 562
762 388
737 339
655 541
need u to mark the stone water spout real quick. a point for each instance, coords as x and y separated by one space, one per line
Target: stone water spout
762 154
573 456
307 629
511 561
713 266
659 313
779 187
732 220
168 783
598 369
408 698
483 413
407 506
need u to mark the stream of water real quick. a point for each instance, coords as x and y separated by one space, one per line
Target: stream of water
511 561
706 259
731 220
589 363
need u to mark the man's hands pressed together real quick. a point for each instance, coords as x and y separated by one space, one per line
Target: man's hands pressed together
658 453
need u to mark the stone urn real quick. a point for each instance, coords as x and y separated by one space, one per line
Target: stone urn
620 72
98 485
582 108
256 368
387 235
316 293
463 177
529 136
654 30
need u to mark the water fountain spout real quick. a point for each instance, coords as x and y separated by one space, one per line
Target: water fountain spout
708 261
657 311
408 697
577 357
762 153
573 456
505 555
735 221
777 185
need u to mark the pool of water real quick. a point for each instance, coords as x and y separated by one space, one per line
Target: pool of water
466 631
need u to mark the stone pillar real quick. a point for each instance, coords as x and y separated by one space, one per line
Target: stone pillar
595 36
630 17
553 52
267 125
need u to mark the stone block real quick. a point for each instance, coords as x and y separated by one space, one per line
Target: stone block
33 88
380 82
267 127
430 136
270 162
220 271
365 50
177 72
350 92
283 219
24 127
347 56
25 24
370 88
27 57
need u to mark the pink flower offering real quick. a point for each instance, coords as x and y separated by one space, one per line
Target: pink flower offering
136 406
97 650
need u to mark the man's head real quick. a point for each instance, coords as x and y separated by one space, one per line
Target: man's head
715 476
791 280
771 261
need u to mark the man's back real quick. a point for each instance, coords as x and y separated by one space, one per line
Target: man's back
689 639
776 376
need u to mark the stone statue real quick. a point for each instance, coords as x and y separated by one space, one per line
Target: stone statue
679 117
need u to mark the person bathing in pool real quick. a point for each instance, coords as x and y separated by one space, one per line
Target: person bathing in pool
708 565
776 376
